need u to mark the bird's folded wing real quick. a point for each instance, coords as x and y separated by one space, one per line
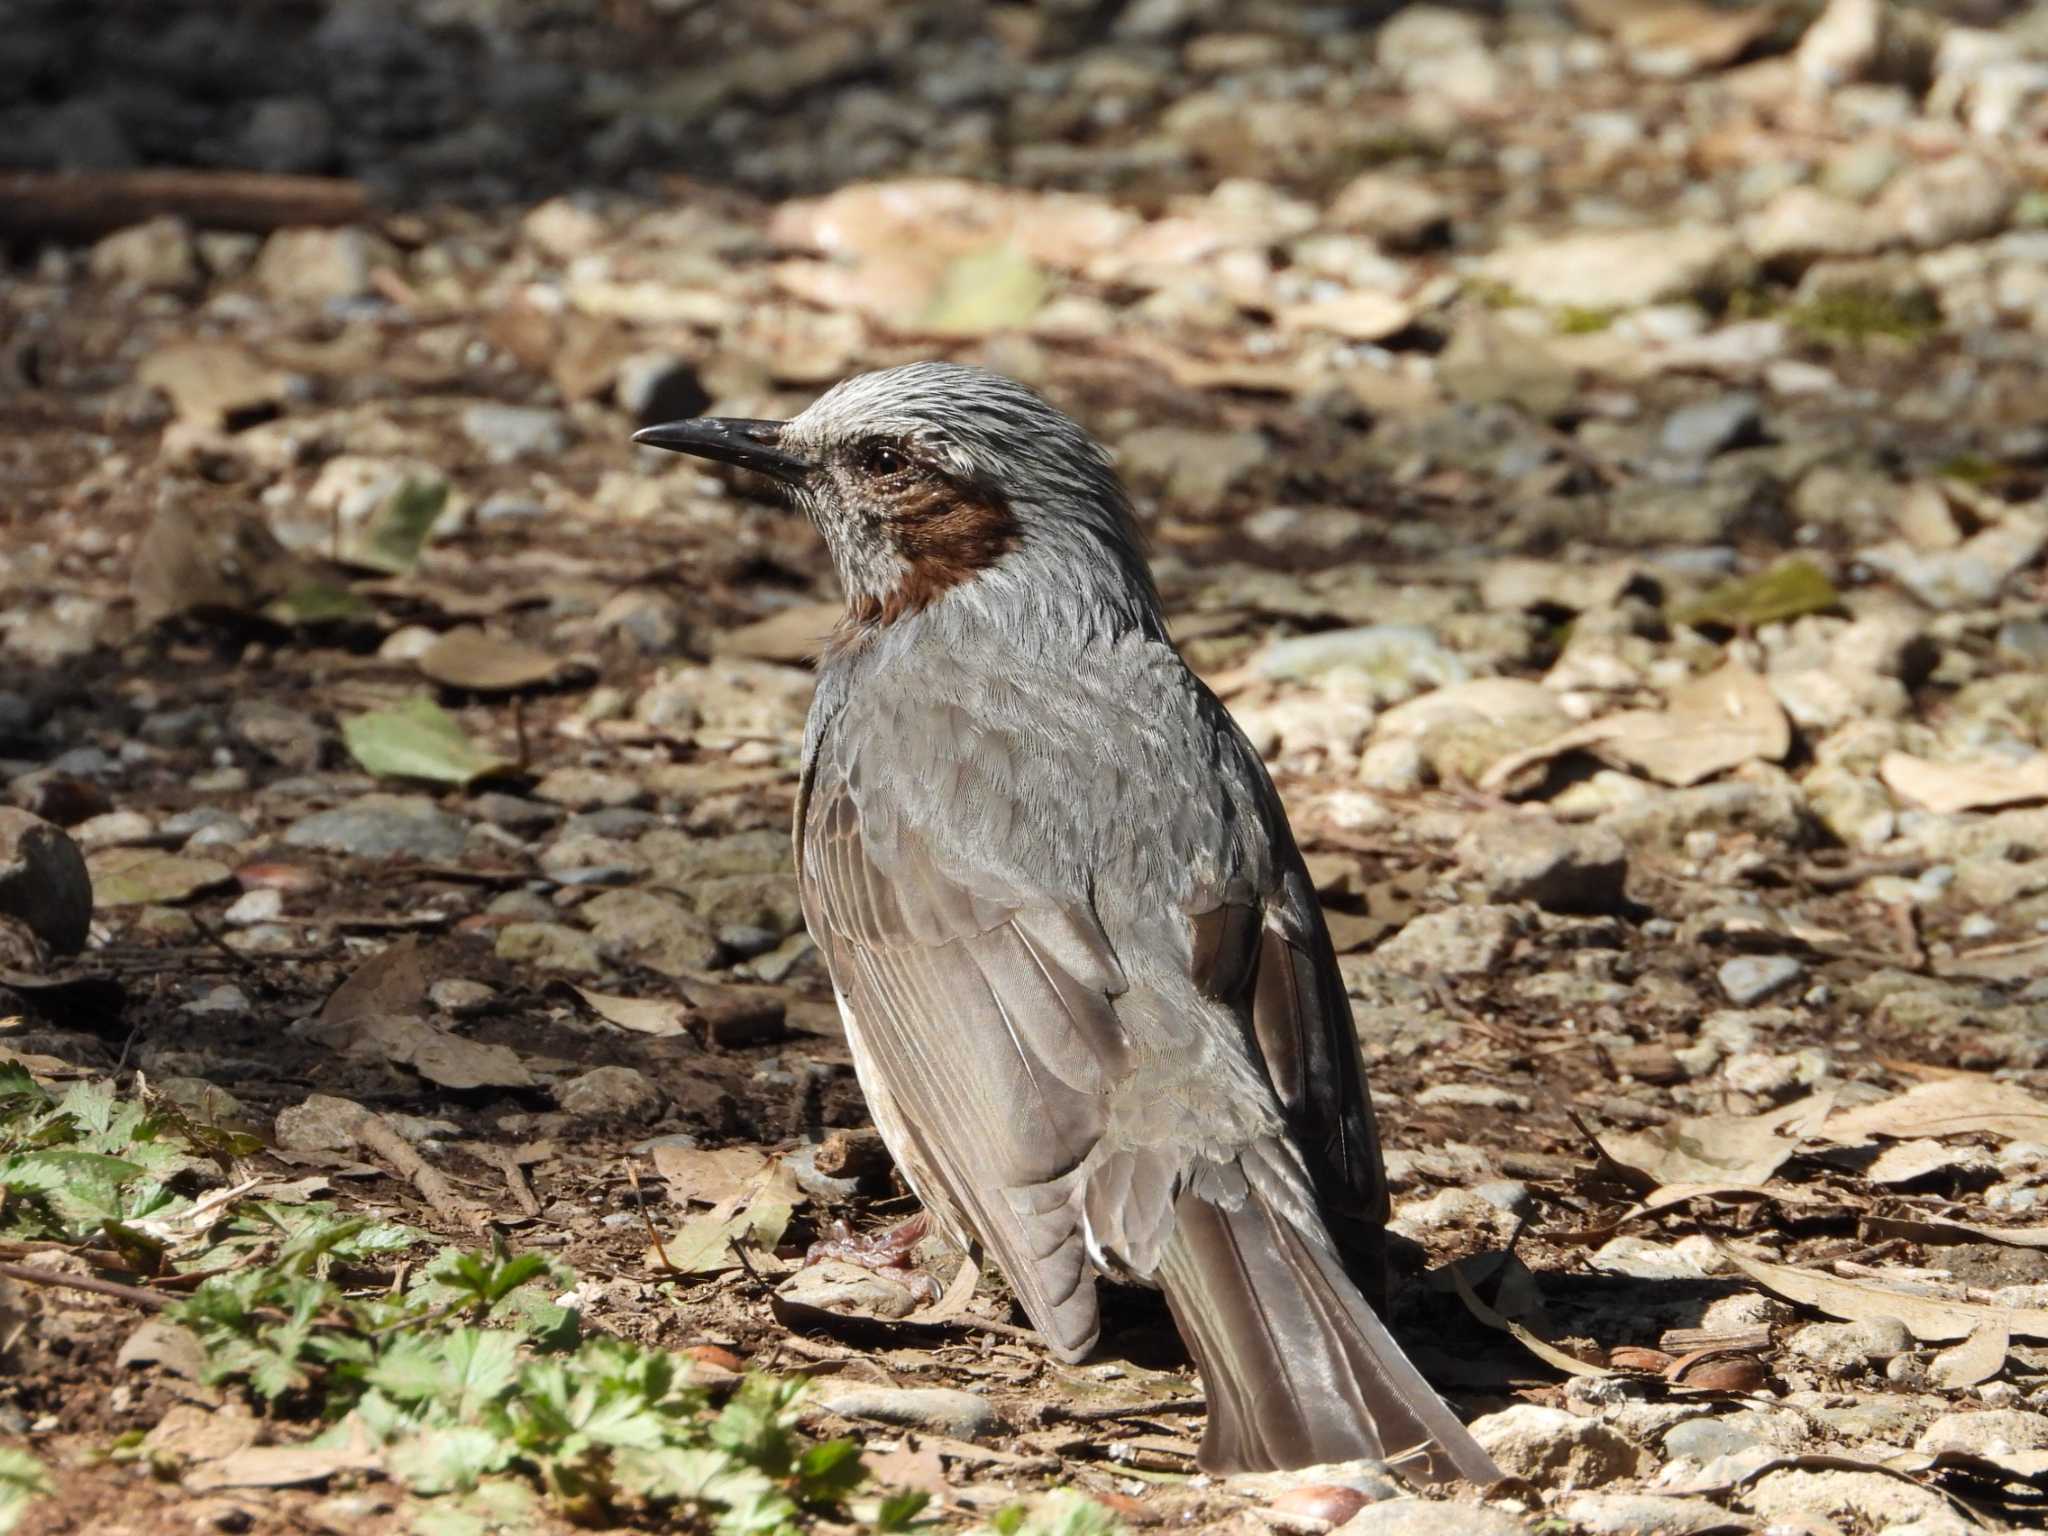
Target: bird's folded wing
991 1026
1302 1020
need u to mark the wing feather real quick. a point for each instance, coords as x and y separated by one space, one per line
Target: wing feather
993 1052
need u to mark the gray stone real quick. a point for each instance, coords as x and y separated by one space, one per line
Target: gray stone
637 927
1644 1514
1803 224
456 995
550 947
265 904
515 813
611 1093
226 1001
1947 201
1431 1517
678 859
322 1124
1872 1497
1618 269
584 788
1556 1449
43 880
1848 1346
652 621
208 826
157 254
508 432
1194 470
940 1410
1695 433
1752 978
769 903
1703 1440
319 266
206 1102
1395 661
378 826
1770 810
1995 1431
503 508
1462 941
1557 865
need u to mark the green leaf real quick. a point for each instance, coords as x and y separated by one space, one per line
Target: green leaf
319 602
828 1472
899 1511
398 530
22 1479
703 1244
1788 590
417 740
449 1459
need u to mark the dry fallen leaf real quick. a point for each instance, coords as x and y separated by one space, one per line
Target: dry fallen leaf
1710 725
1360 315
642 1015
1977 1359
284 1466
1950 787
126 877
1948 1106
1856 1301
710 1175
476 659
1571 1365
1717 1152
211 383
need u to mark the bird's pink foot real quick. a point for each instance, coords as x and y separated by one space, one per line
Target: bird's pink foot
889 1249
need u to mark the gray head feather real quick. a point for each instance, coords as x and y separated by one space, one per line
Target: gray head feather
993 445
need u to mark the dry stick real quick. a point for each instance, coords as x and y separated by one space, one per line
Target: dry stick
376 1134
213 937
96 203
29 1275
1061 1413
653 1237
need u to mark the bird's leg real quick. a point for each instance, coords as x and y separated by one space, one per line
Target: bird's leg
889 1249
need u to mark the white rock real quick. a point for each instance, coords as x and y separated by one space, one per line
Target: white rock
1556 1449
1618 269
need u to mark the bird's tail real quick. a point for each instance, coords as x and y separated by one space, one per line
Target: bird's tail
1297 1367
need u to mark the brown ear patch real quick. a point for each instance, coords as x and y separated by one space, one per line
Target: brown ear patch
945 534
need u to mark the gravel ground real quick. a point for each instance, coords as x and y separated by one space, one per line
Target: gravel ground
1595 449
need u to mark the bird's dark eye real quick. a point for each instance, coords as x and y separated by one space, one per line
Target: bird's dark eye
883 460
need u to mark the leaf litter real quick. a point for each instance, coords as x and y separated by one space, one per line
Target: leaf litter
1750 733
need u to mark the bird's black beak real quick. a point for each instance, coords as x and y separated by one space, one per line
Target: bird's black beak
752 445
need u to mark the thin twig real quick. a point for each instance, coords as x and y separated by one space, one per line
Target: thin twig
653 1237
1060 1413
29 1275
221 944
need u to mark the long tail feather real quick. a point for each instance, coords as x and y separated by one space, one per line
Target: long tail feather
1297 1367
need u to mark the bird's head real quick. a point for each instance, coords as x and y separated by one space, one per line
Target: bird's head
933 478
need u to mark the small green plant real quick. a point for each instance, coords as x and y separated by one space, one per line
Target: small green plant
22 1480
88 1165
1858 315
1584 320
470 1385
1060 1513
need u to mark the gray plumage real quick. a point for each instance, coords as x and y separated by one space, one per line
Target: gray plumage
1088 989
